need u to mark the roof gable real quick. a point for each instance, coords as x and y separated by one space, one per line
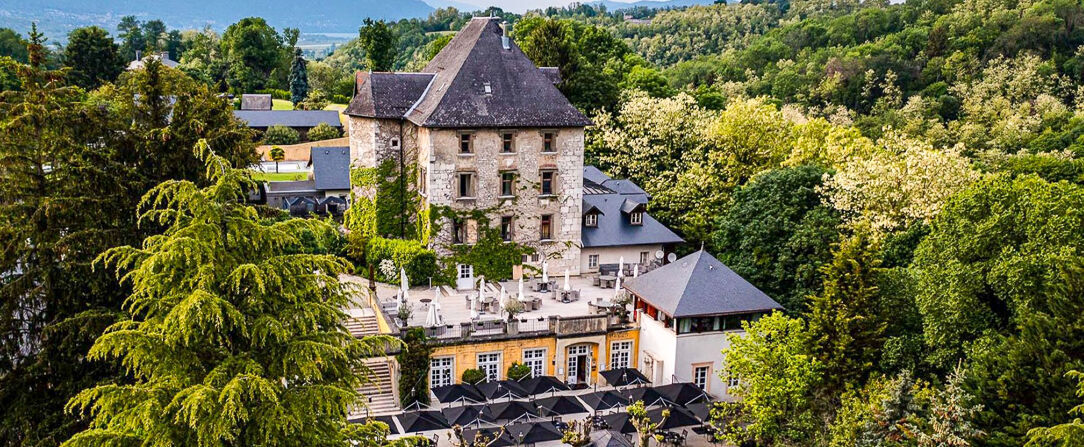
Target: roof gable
256 102
288 118
387 95
697 285
330 167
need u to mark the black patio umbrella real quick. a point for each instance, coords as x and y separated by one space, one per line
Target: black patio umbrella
458 393
682 393
624 376
604 400
609 438
646 395
543 384
416 421
559 405
534 432
512 410
702 410
501 389
505 440
392 429
468 415
679 417
619 422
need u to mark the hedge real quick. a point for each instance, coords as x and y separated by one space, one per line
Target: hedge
279 134
275 93
323 131
420 263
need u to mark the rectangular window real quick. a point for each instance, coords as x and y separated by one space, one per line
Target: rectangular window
441 371
508 184
644 257
636 218
459 231
466 185
620 354
490 364
590 220
547 142
545 228
506 228
732 382
536 360
508 142
700 376
592 261
547 182
466 145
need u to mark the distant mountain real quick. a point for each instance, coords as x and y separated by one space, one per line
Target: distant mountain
615 5
57 17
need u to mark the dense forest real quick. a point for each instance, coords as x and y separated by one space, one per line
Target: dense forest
906 179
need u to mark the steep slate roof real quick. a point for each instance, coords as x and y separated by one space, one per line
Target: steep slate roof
291 186
289 118
330 167
386 95
256 102
613 228
520 95
698 285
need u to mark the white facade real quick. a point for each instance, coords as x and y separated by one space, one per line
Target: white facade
611 255
666 357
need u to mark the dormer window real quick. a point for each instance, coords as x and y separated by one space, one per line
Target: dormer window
590 220
636 218
487 88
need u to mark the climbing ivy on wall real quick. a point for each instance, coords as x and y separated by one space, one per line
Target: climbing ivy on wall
491 256
389 205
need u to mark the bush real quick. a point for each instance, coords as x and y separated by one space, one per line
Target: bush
518 371
275 93
419 262
323 131
473 376
281 135
340 99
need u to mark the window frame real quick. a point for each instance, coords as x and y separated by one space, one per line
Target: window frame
470 186
459 231
537 364
542 182
626 353
592 261
545 227
495 364
636 218
509 234
508 142
706 369
590 220
549 138
511 182
449 369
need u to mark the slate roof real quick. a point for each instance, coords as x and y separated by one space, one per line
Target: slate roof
256 102
291 186
289 118
386 95
475 82
330 167
613 199
162 57
699 285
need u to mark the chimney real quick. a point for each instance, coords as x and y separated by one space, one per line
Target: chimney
504 36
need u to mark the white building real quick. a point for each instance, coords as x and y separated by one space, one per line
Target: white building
686 310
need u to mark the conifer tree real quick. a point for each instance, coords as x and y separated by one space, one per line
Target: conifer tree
232 334
299 79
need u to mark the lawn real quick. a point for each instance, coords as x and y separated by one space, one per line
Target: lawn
279 176
281 104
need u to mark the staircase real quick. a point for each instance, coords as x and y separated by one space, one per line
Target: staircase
378 392
362 325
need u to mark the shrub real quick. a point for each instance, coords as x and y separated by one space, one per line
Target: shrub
420 263
414 368
275 93
518 371
281 135
340 99
323 131
473 376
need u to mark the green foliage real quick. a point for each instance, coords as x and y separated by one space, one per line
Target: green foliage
13 45
93 56
414 368
230 334
420 263
275 93
323 131
518 371
279 134
777 234
1070 433
490 255
473 376
299 79
254 51
379 43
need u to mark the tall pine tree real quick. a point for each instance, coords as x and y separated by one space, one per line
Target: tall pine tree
233 335
299 79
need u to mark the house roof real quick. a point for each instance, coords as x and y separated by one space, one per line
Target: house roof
292 186
330 167
475 82
289 118
256 102
613 206
386 95
162 57
699 285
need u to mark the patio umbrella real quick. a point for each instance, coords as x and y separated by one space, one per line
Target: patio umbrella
431 316
468 415
567 288
679 417
636 271
505 440
520 297
617 287
545 272
503 300
682 393
404 286
603 400
533 433
543 384
392 428
644 394
619 422
512 410
458 393
501 389
481 297
702 410
559 405
416 421
620 266
624 376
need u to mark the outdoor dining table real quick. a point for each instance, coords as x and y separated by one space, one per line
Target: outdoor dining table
606 281
425 301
